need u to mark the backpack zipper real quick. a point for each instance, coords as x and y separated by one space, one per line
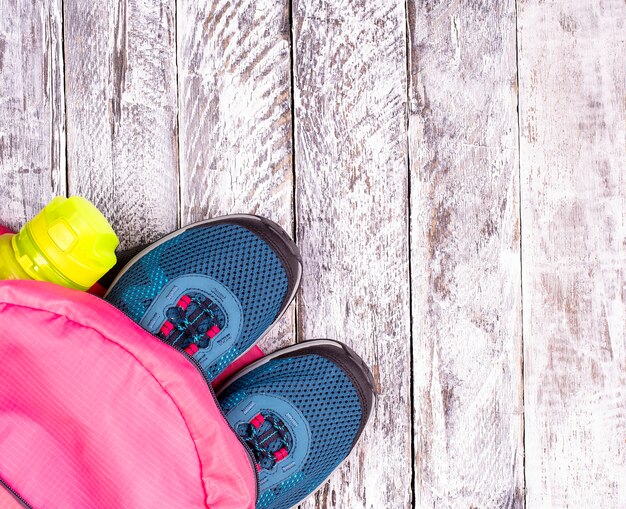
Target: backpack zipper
15 494
208 382
241 440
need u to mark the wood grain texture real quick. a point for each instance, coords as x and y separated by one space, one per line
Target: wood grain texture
351 195
121 112
388 231
235 116
32 137
573 147
465 255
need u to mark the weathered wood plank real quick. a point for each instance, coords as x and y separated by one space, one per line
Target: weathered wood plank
465 259
351 184
32 137
235 115
573 147
121 112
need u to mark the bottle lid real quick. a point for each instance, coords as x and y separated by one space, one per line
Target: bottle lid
69 243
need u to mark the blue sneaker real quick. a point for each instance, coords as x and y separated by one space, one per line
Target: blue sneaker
212 289
300 410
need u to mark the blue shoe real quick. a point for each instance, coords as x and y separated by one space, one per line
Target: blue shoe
300 410
212 289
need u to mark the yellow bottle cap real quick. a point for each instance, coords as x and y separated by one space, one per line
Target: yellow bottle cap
69 243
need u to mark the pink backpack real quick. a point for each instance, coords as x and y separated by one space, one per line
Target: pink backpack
97 413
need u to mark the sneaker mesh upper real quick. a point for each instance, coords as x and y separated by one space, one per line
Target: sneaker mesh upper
328 400
231 254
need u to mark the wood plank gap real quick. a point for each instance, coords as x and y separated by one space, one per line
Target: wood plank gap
294 197
410 243
64 100
58 137
179 207
521 257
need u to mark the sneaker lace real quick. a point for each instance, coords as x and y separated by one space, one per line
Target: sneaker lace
268 438
192 323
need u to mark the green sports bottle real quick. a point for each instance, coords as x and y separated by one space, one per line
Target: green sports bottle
69 243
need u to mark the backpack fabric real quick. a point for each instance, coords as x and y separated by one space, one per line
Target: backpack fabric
97 413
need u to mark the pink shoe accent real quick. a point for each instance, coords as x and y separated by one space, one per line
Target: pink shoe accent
257 421
253 355
98 290
167 328
281 454
184 302
191 349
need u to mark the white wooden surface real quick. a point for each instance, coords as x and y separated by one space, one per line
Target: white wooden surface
351 183
573 172
120 78
32 138
465 256
453 173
